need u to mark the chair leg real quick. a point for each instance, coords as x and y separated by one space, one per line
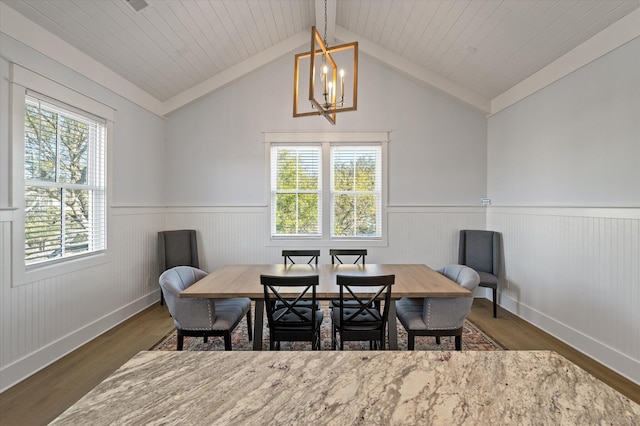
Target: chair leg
227 341
249 326
161 298
205 339
438 340
458 343
495 301
333 337
179 342
411 341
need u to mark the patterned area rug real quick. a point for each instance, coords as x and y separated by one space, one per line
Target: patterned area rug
473 339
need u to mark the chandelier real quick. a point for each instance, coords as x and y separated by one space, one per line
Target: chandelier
329 91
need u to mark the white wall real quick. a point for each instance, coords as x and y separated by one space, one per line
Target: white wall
215 153
216 165
575 143
574 269
41 321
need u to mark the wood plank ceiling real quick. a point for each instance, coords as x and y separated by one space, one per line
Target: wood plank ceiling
485 46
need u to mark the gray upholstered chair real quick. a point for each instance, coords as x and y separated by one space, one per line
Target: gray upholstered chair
177 248
481 250
439 316
201 317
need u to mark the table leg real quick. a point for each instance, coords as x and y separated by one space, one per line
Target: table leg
393 330
258 324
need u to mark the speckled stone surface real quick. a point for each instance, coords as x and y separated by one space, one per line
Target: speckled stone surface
349 388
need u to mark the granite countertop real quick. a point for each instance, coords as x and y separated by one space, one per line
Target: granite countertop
351 387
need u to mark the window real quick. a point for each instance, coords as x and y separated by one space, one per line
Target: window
349 166
296 191
64 181
356 191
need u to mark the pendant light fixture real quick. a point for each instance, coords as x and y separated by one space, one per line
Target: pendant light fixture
332 88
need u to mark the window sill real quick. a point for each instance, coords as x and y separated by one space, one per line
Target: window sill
26 275
326 243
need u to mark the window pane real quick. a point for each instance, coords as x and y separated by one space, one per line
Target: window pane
74 150
343 172
366 172
366 217
285 213
287 173
40 144
343 215
307 214
76 229
43 224
308 171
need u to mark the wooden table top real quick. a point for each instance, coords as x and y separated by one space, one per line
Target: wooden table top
412 280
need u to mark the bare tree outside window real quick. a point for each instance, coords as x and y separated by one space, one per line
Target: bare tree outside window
64 182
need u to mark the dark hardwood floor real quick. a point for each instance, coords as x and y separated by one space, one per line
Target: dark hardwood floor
43 396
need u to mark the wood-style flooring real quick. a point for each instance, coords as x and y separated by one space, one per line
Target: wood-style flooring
45 395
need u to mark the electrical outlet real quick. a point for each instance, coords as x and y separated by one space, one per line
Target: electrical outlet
148 281
485 201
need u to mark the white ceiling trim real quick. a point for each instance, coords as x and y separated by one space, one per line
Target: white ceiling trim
29 33
256 61
619 33
405 66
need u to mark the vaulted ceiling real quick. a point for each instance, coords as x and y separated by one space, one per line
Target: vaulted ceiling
480 48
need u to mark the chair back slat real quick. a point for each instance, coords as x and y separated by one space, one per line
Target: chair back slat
358 255
311 255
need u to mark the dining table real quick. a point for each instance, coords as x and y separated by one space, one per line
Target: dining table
411 280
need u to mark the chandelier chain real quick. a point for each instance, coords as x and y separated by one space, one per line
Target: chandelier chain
325 23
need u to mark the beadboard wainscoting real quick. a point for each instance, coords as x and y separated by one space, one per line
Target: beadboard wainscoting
575 273
44 320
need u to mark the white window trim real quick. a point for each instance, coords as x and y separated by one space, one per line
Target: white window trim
326 139
22 80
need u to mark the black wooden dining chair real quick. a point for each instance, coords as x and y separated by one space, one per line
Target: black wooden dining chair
356 255
292 319
311 256
364 320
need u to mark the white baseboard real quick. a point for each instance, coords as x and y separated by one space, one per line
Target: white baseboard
598 351
36 361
